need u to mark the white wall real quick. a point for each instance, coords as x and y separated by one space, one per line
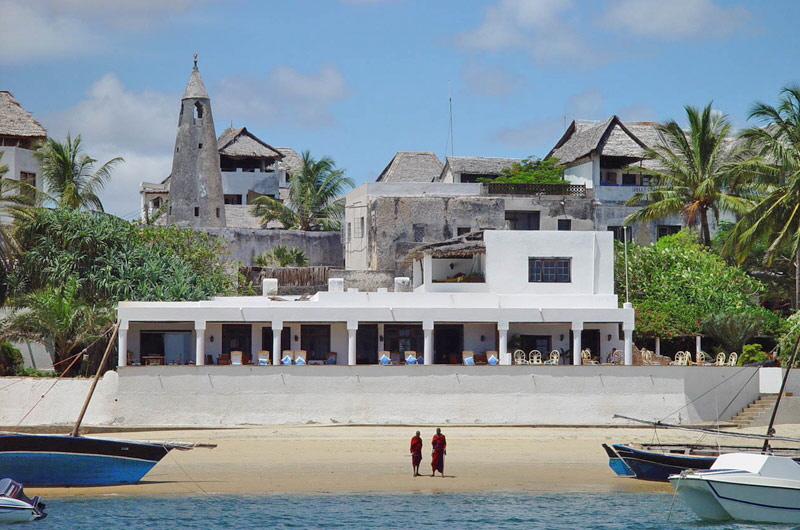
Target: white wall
582 173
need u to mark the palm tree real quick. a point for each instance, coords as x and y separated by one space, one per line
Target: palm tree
776 217
68 174
15 199
697 175
281 256
314 201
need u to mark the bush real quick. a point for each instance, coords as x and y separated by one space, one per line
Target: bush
10 359
752 353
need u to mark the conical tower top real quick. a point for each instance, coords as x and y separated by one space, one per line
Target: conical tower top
195 89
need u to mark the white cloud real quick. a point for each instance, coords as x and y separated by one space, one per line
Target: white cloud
489 80
285 96
115 121
675 19
538 28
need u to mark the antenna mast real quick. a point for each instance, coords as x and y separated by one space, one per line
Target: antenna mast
450 99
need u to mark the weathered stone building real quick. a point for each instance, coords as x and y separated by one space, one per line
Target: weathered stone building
20 134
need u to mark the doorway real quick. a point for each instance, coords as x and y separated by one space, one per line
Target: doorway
315 339
590 338
367 344
237 337
266 338
448 342
536 342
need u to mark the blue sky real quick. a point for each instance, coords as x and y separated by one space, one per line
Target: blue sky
359 80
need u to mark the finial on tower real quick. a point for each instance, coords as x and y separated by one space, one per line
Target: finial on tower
195 60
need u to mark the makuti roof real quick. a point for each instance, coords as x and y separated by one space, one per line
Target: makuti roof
610 137
241 143
463 246
16 121
479 164
291 160
412 167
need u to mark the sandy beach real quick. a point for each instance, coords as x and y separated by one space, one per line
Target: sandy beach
350 459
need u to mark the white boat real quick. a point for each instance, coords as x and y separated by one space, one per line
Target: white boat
743 487
15 506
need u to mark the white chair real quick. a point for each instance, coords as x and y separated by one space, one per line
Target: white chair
520 357
286 359
492 357
383 358
732 358
720 359
468 357
263 358
555 355
586 357
300 357
536 358
236 358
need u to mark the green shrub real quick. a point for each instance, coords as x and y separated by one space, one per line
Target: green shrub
10 359
752 353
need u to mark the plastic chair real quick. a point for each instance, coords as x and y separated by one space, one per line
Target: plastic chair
732 358
236 358
492 357
263 358
519 357
300 357
468 357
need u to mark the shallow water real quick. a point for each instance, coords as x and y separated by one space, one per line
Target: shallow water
407 511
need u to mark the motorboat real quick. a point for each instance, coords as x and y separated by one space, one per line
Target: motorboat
15 506
743 487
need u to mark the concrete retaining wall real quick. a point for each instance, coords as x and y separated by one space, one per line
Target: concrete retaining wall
513 395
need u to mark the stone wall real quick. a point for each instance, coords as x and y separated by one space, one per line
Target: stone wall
322 248
369 281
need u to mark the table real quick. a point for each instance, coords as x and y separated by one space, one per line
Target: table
148 360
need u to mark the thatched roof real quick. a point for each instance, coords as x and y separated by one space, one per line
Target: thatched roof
241 143
291 160
412 167
463 246
479 165
16 121
610 137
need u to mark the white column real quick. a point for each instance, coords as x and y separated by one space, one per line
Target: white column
698 347
122 345
502 347
352 328
628 346
658 345
277 328
381 337
199 344
577 327
427 272
427 330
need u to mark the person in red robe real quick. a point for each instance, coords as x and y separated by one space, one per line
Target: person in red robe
439 444
416 453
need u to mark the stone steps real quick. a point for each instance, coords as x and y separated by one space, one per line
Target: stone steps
763 405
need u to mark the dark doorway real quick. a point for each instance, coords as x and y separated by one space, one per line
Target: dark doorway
536 342
315 339
367 344
403 337
266 338
448 342
237 337
590 338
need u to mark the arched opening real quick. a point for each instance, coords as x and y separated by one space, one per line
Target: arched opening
198 110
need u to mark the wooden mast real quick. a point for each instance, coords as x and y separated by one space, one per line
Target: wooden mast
94 381
770 430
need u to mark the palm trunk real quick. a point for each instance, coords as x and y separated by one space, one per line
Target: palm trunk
796 277
706 233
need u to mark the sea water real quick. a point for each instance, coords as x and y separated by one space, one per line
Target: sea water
617 511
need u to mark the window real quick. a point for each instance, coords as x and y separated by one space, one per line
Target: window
216 210
196 211
359 231
198 111
522 220
549 270
668 230
200 146
419 233
629 179
232 199
157 202
461 230
349 235
609 177
621 233
565 224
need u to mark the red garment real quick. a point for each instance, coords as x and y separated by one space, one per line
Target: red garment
439 444
416 450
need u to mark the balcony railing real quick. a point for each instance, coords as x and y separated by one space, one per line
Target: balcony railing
571 190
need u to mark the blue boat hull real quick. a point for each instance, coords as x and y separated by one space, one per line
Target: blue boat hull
47 460
616 464
652 465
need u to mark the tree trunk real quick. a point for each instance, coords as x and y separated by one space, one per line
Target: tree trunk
706 233
796 276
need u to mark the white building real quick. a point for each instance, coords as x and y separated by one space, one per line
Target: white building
20 135
492 291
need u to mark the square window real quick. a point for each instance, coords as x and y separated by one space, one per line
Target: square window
565 224
549 270
196 211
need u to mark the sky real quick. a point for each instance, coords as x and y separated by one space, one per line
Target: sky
359 80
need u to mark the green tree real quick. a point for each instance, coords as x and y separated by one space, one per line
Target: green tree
314 197
281 256
69 175
531 170
698 175
775 219
15 199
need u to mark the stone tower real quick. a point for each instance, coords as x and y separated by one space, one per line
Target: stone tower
195 184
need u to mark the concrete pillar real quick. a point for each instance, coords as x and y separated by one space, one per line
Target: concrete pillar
628 346
577 327
502 347
427 330
122 346
427 271
277 328
352 328
658 345
199 344
381 337
698 347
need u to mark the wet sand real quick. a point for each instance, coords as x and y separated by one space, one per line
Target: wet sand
349 459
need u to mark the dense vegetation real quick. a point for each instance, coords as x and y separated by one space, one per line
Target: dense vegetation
531 170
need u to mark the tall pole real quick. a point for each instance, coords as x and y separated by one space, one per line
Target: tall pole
74 432
770 430
625 242
452 140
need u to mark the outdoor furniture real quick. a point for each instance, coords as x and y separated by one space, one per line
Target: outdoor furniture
700 358
130 360
331 358
384 358
300 357
554 357
618 357
732 358
468 357
412 358
586 357
647 358
532 354
682 358
420 359
263 358
409 353
536 358
236 358
492 357
224 358
519 357
286 357
152 360
720 359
